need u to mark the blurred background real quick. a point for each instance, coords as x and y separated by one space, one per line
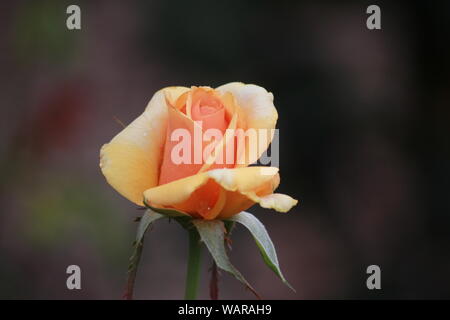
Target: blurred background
364 143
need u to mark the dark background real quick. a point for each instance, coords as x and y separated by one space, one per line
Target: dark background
364 142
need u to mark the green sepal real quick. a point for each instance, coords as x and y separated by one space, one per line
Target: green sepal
212 233
181 217
263 242
171 213
146 220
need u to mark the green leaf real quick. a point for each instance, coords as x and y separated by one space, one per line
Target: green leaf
263 241
148 218
212 234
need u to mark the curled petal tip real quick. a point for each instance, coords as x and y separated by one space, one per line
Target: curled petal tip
278 201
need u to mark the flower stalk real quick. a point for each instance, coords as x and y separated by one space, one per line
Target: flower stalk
194 262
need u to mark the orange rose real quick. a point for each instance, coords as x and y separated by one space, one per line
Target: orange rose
139 162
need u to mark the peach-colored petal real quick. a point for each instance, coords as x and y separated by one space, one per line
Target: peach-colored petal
260 114
170 169
219 158
278 201
237 201
206 202
130 162
207 107
239 189
204 111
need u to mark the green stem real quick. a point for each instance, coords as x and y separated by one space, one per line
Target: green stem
193 270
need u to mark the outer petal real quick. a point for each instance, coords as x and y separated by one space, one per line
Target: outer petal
260 113
278 201
240 188
130 162
242 193
238 201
